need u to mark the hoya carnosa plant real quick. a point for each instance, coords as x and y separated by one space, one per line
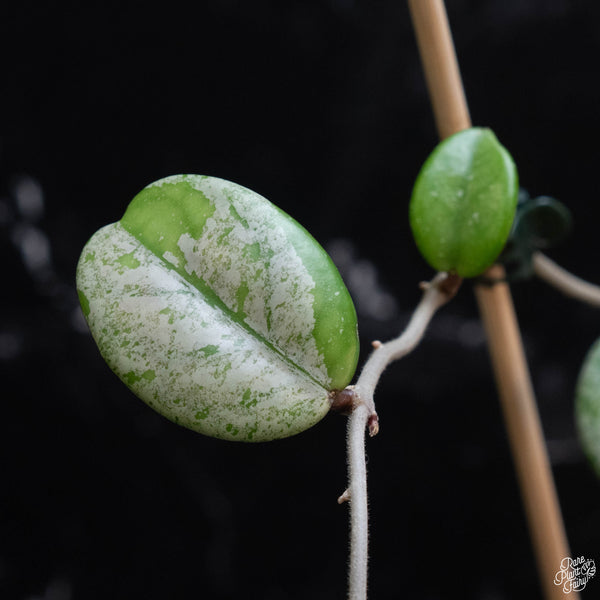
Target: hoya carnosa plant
219 310
463 202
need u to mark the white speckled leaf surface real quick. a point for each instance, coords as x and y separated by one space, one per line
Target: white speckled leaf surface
219 310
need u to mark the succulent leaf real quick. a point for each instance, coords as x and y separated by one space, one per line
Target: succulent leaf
219 310
463 202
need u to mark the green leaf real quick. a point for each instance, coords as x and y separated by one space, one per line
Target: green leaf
219 310
463 202
587 406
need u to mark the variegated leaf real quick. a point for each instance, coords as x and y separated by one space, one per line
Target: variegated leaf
219 310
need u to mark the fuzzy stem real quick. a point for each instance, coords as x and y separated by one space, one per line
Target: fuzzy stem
566 282
436 293
357 493
435 296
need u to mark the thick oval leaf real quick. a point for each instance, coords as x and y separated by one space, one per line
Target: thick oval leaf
463 202
587 406
219 310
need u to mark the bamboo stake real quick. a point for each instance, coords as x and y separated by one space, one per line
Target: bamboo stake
524 430
440 66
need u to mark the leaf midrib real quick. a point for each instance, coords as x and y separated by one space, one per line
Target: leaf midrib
199 286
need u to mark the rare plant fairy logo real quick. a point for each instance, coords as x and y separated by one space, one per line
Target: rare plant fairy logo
574 573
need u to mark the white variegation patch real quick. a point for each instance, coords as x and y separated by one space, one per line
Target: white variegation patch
171 258
262 291
189 359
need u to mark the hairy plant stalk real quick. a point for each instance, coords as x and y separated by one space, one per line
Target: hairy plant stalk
566 282
436 293
357 494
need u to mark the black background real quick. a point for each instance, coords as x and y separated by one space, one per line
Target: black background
321 107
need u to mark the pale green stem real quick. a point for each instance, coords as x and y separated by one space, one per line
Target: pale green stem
436 293
357 492
566 282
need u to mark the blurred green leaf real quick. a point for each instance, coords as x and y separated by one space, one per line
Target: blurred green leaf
587 406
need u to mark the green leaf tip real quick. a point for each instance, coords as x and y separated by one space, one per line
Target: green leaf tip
238 314
463 202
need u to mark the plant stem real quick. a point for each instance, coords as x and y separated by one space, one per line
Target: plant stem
436 293
357 494
504 340
566 282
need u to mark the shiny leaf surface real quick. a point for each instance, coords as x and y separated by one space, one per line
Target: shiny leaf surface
219 310
463 202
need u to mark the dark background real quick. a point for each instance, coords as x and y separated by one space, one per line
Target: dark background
321 107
